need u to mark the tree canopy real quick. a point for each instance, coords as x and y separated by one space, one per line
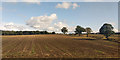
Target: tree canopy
79 30
88 30
64 30
107 30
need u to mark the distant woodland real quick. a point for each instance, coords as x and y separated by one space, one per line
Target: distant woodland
25 32
30 32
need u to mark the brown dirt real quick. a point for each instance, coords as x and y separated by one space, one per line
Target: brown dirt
56 46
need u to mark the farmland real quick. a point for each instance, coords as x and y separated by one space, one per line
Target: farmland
58 46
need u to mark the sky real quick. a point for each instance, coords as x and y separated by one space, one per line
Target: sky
52 16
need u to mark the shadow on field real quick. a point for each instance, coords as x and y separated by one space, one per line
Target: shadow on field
83 39
113 40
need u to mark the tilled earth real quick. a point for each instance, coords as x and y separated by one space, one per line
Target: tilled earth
56 46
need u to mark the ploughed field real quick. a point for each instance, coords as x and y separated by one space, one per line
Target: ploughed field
57 46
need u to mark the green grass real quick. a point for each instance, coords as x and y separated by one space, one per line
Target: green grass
100 51
33 50
46 47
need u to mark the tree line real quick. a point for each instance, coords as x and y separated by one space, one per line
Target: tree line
78 30
25 32
106 30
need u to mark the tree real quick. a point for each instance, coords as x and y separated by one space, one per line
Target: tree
53 32
64 30
45 32
79 30
88 30
107 30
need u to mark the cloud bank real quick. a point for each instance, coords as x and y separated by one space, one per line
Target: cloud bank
15 27
46 23
41 22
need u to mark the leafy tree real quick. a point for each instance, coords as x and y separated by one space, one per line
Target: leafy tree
45 32
64 30
53 32
26 32
79 30
37 32
107 30
88 30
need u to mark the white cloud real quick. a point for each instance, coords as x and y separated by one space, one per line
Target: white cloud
71 29
41 22
67 5
12 26
59 25
38 23
115 30
51 29
114 24
2 26
32 1
75 5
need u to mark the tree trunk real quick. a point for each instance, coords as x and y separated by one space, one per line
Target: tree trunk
87 35
107 37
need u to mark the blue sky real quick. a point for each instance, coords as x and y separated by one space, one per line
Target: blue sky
59 14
